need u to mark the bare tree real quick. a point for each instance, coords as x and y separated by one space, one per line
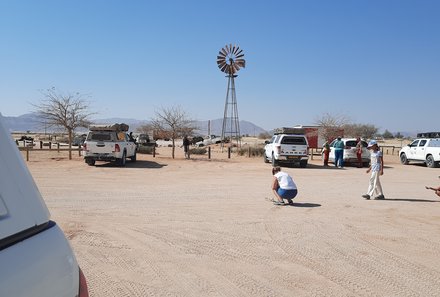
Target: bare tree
332 125
174 123
366 131
67 111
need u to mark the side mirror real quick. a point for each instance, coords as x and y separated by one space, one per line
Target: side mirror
267 142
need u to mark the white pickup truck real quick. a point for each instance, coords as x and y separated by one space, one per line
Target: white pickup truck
35 257
210 139
426 148
109 143
288 145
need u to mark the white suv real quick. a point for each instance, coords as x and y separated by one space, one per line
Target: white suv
287 148
35 258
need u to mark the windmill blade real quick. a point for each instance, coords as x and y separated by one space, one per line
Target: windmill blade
224 52
238 52
230 47
239 56
224 67
221 57
221 64
236 67
233 50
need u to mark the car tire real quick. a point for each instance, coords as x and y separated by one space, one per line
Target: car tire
303 164
123 160
430 161
133 158
403 159
365 164
274 161
266 160
90 162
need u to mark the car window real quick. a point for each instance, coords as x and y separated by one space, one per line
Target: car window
293 140
277 138
99 136
422 142
351 143
434 143
273 139
414 143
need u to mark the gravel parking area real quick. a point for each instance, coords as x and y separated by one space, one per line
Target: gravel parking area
164 227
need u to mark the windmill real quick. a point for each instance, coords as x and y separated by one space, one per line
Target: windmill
230 60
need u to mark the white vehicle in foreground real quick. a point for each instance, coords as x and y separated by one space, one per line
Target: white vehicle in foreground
35 257
424 149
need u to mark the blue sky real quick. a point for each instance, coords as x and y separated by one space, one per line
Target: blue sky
377 62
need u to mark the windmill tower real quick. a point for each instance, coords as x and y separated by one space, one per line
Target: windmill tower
230 60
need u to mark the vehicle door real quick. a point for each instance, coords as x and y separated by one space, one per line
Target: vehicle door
268 149
131 146
331 155
413 149
420 150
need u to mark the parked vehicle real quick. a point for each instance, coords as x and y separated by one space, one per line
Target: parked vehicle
145 140
109 143
425 149
288 146
210 139
35 257
350 155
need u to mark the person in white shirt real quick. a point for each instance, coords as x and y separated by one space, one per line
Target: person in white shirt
376 168
283 186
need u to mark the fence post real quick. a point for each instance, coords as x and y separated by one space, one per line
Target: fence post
154 151
79 150
27 154
41 144
249 152
311 155
209 152
50 145
229 152
58 147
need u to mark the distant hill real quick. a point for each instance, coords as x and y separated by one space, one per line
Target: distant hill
30 122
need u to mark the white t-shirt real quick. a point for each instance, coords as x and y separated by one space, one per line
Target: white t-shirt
285 181
375 161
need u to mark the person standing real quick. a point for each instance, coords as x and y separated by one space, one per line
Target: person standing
376 168
186 146
283 186
326 152
359 152
339 152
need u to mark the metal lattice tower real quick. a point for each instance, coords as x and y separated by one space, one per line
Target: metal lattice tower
230 59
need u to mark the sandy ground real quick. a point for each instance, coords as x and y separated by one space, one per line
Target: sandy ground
163 227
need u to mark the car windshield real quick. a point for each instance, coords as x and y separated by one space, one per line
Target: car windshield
293 140
100 136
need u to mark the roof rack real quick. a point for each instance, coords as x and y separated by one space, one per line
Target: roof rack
109 127
289 130
429 135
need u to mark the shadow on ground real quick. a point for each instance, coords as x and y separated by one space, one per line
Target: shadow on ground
408 200
137 164
297 204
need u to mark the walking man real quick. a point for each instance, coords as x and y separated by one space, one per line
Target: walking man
339 152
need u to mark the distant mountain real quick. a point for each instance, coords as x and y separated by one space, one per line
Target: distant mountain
30 122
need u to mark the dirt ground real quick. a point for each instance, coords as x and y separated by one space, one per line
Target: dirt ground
164 227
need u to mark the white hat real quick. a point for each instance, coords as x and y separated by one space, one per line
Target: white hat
371 143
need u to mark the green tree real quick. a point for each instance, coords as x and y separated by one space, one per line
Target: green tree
387 134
